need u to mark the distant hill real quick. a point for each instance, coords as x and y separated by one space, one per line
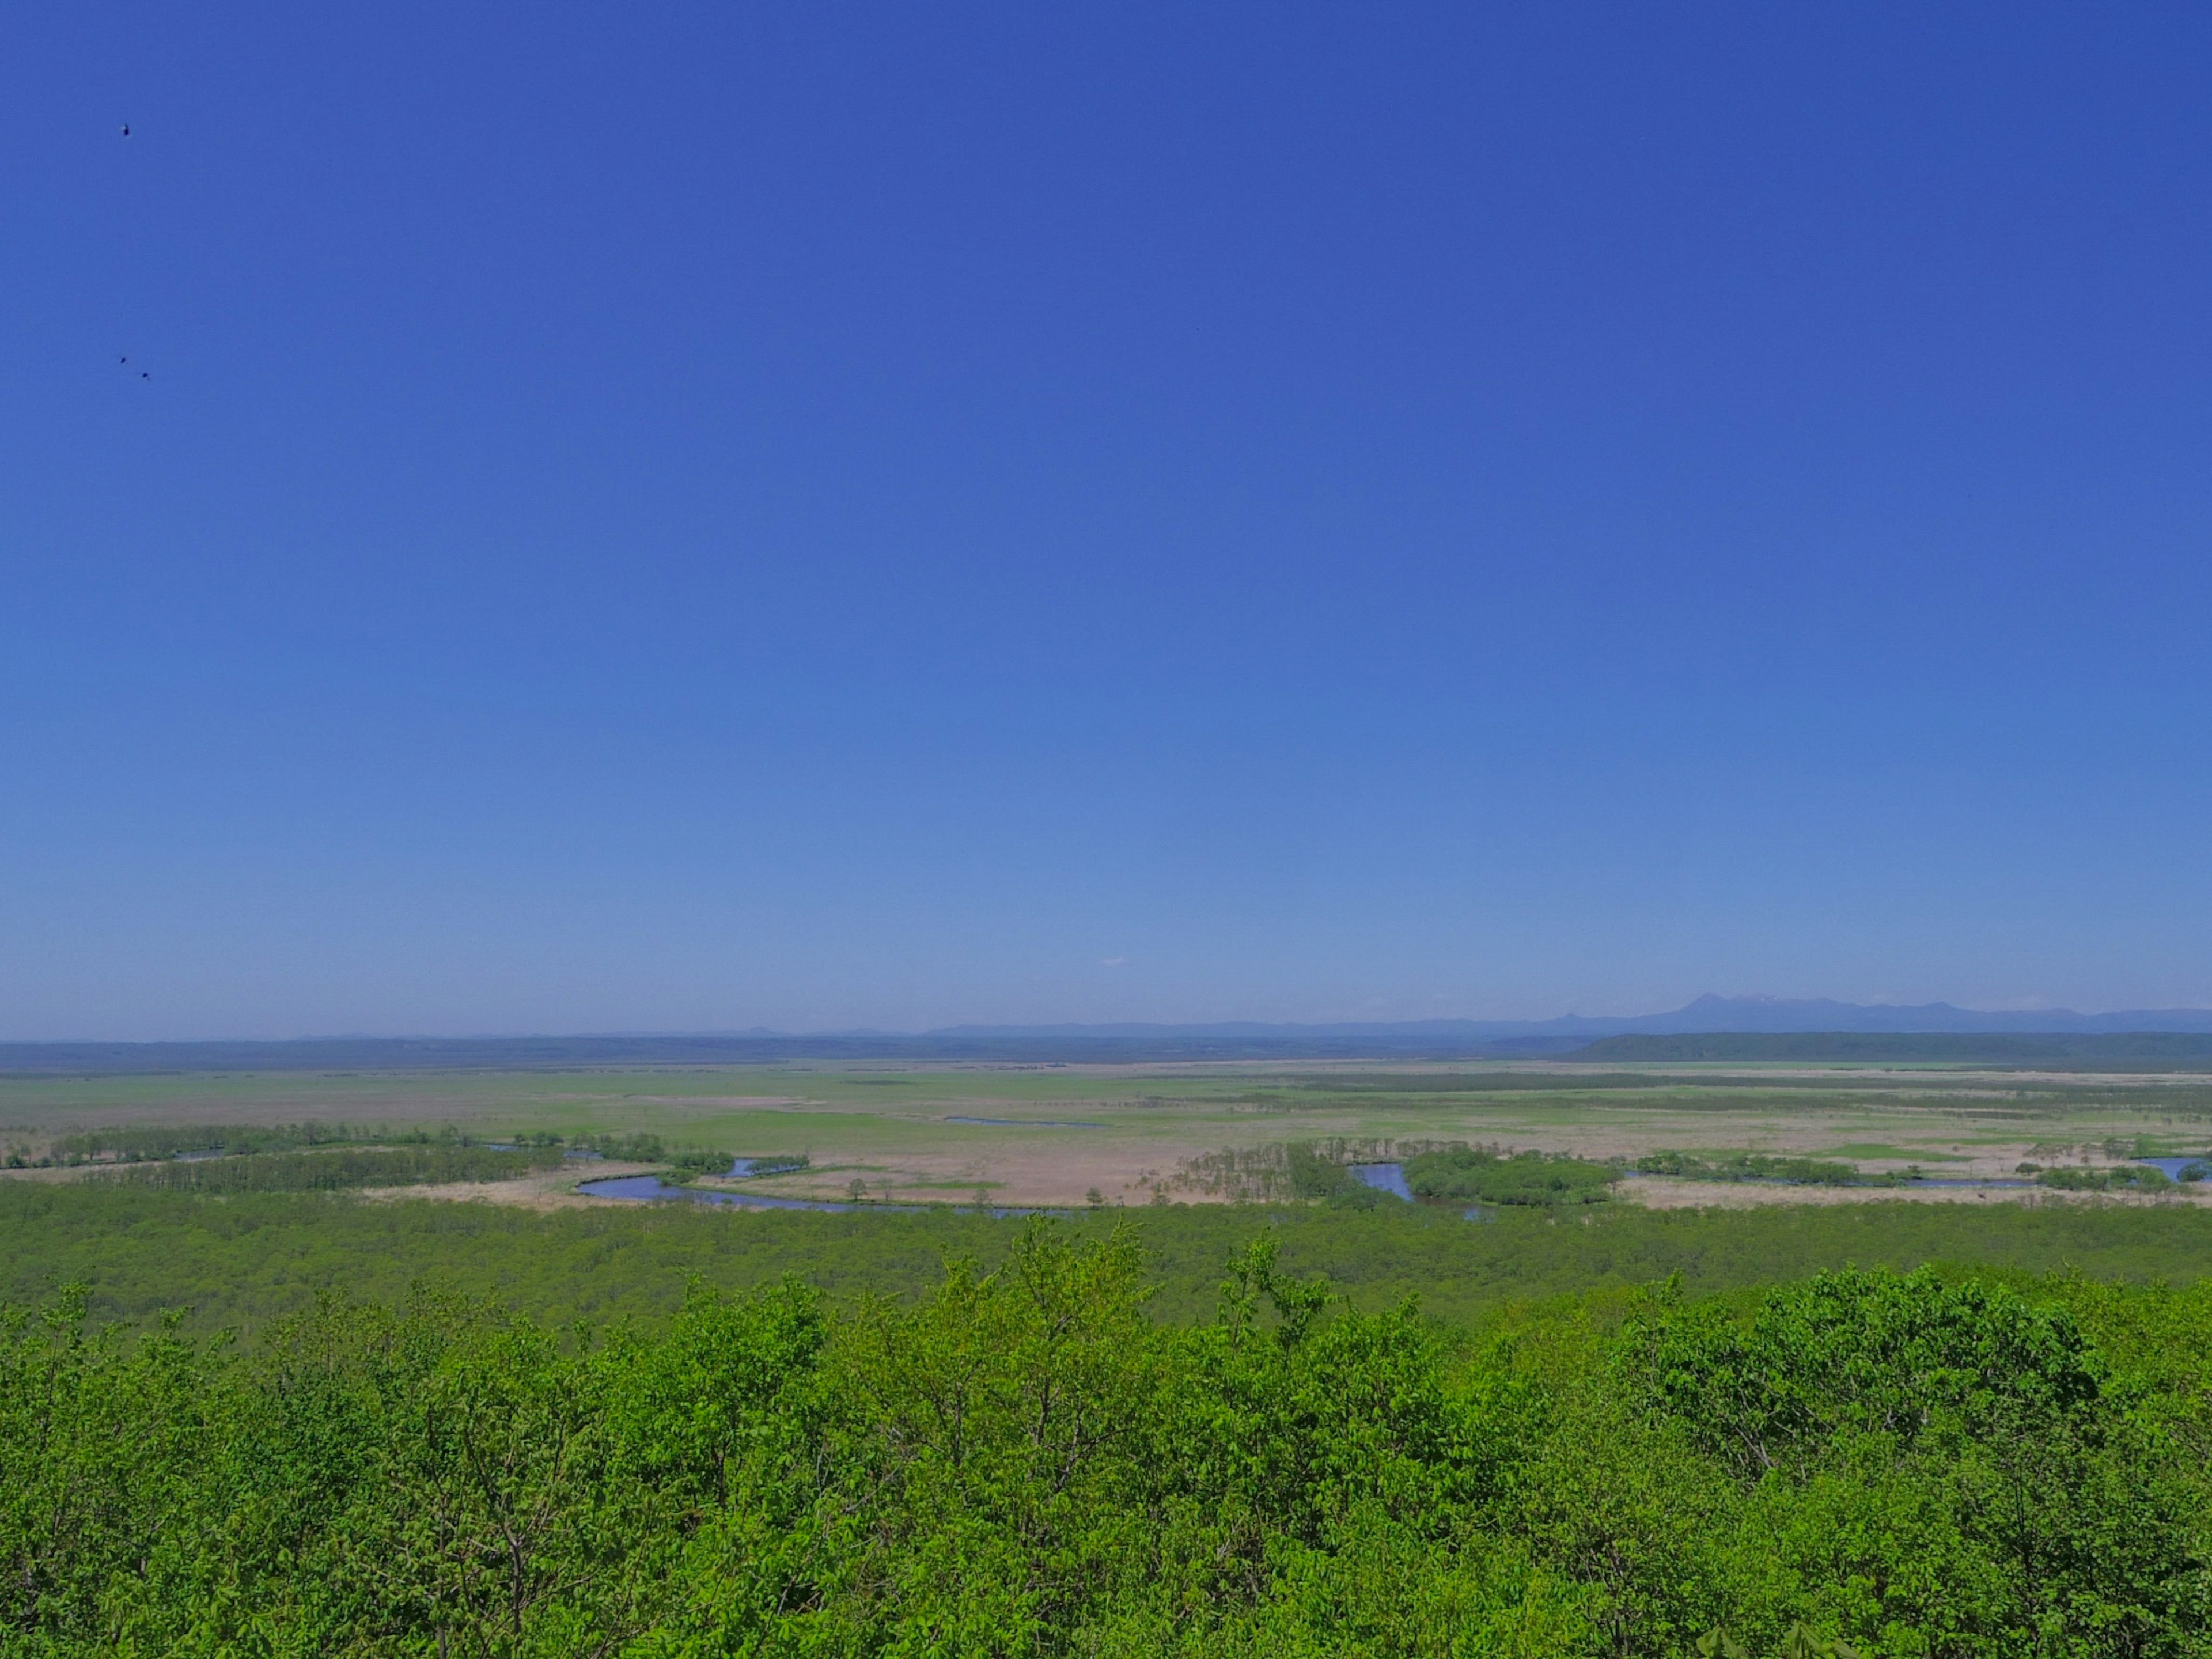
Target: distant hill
2116 1049
1778 1014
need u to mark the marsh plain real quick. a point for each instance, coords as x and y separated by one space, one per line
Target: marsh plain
1141 1134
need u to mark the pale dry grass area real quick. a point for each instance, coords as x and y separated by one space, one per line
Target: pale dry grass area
58 1173
1062 1172
544 1190
1068 1170
1044 1180
894 1127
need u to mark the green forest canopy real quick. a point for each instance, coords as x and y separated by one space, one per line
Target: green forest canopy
1027 1461
244 1259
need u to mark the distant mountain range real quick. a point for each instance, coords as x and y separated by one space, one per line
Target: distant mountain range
1707 1013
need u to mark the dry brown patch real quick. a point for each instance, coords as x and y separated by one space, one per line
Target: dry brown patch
1055 1175
62 1172
548 1189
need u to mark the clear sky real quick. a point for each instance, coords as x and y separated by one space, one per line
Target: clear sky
698 516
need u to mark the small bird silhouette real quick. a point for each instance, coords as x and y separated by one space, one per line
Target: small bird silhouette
143 375
126 129
122 360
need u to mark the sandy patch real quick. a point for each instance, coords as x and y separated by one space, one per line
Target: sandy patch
1055 1170
548 1189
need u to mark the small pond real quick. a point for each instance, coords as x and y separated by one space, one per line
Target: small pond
1391 1178
2172 1167
1383 1178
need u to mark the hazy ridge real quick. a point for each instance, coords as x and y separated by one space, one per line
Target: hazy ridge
1725 1028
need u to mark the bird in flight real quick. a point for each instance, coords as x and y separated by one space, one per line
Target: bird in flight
126 129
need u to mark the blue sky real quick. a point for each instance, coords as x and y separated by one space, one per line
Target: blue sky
697 517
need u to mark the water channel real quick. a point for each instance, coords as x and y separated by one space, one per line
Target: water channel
647 1188
1382 1177
652 1189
